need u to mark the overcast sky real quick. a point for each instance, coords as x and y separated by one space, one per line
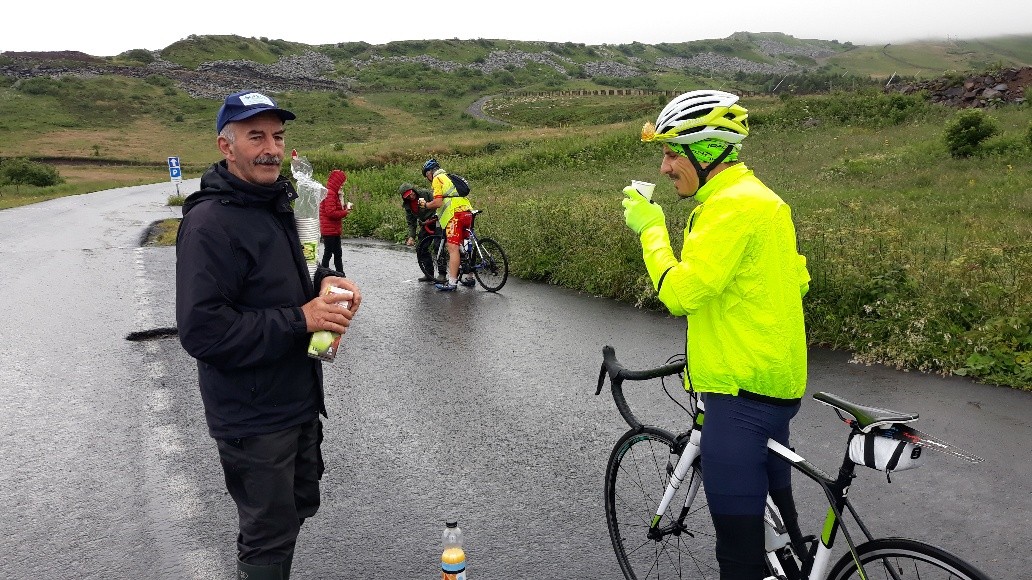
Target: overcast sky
110 27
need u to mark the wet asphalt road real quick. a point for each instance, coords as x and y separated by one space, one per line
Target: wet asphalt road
473 405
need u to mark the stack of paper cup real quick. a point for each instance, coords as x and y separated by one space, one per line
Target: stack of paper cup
308 233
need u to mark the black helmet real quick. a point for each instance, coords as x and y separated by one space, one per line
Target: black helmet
431 164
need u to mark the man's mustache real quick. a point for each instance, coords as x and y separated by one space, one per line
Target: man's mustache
268 160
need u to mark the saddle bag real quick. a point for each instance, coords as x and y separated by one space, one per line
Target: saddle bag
878 451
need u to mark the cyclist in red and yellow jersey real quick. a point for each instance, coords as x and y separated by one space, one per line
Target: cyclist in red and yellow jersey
739 282
455 214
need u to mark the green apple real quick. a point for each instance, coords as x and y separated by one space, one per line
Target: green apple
321 341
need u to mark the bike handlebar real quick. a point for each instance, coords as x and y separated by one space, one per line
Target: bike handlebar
618 374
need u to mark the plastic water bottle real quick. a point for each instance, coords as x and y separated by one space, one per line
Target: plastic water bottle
467 244
453 559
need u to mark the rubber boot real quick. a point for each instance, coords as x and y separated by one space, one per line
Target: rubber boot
740 552
253 572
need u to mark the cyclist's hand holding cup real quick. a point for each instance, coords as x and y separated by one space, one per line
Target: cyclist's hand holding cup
640 213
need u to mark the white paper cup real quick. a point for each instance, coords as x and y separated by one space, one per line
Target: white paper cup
644 188
350 206
307 226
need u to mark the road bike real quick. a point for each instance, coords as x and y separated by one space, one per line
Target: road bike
482 257
660 524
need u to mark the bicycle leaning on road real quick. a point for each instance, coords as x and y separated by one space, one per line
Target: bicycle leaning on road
660 524
482 257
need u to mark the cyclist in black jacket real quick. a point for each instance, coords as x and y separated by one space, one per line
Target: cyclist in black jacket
246 308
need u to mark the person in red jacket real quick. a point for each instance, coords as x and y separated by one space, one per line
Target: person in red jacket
330 213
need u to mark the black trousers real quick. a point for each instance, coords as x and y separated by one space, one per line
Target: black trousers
274 480
331 245
424 258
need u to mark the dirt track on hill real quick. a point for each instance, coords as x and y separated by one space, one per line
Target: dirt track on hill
476 110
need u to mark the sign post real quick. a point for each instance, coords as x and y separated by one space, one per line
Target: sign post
175 172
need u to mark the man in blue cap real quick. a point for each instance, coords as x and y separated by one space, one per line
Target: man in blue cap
246 309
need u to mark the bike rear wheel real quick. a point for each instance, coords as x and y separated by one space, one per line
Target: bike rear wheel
903 559
636 478
427 250
490 264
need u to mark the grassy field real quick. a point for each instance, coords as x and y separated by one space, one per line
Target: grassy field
919 260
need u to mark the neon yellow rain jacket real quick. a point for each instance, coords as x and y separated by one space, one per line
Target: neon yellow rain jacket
740 282
453 202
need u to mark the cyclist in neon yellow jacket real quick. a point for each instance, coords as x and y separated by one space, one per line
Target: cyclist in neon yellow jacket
454 214
740 282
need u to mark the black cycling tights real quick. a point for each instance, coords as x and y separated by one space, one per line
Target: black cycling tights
740 547
737 474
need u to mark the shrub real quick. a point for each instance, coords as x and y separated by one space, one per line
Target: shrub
159 81
967 130
1009 145
20 171
139 55
864 108
39 86
1001 350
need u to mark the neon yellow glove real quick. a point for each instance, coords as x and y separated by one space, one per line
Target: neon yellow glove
640 213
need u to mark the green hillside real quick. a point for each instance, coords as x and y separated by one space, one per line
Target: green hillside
195 50
927 59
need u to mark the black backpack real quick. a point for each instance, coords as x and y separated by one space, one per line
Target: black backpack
460 183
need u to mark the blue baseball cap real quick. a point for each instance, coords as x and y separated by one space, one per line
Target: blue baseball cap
246 104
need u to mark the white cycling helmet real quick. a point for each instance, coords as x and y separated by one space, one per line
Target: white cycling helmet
698 115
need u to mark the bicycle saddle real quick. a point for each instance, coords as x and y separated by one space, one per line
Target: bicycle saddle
867 418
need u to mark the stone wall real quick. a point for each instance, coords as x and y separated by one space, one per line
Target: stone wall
1006 86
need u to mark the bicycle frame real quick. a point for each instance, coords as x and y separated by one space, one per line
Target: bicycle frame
814 568
471 235
794 558
776 537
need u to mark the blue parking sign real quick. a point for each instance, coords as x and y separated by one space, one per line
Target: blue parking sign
175 172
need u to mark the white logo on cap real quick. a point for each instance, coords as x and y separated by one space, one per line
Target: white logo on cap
256 99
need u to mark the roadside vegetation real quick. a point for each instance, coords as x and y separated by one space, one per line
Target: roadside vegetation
916 219
920 260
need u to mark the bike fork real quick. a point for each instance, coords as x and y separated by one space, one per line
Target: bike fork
688 457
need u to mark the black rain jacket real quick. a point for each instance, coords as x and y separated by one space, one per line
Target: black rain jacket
241 279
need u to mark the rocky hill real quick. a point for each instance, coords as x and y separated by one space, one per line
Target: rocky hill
312 69
211 80
319 68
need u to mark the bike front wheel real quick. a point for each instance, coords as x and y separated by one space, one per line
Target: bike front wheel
490 264
903 559
636 478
